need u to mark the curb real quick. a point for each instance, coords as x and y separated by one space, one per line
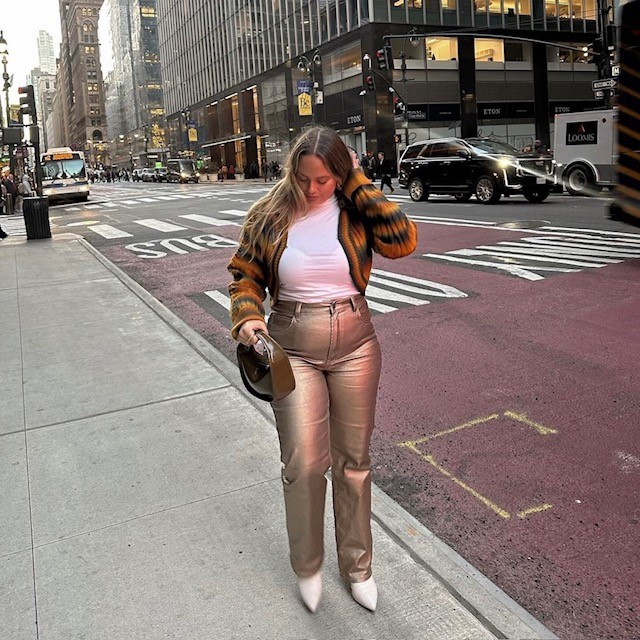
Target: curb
502 616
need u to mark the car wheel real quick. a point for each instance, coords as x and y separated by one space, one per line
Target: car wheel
486 190
536 195
462 197
417 190
580 181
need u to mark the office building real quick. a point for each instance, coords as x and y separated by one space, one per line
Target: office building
240 73
135 102
46 56
79 83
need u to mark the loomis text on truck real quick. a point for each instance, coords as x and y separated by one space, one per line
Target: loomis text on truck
64 175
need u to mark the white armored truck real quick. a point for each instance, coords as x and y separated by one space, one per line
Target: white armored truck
585 150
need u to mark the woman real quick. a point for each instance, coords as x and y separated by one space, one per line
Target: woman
309 242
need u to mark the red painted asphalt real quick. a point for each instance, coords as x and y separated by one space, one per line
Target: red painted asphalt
539 487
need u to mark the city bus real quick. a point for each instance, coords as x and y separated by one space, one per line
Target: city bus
626 206
64 175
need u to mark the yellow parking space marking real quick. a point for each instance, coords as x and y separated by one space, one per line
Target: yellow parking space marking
539 509
476 494
522 418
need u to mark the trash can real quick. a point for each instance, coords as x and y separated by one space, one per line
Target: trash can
36 217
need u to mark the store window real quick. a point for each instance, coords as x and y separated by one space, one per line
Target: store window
489 50
441 49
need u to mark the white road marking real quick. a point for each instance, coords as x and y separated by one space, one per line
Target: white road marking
165 197
109 232
220 298
159 225
235 212
72 208
85 223
147 200
209 220
130 202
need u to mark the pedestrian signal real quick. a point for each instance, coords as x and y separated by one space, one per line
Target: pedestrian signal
369 83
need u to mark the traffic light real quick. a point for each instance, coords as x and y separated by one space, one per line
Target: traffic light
385 58
593 52
27 103
369 83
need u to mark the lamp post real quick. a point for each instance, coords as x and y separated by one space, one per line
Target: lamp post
186 114
310 67
4 52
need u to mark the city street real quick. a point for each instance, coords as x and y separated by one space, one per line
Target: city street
509 406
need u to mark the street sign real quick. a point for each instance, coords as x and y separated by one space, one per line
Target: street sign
599 93
615 70
608 83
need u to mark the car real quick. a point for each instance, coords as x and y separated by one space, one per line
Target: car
482 167
148 175
182 170
136 175
161 174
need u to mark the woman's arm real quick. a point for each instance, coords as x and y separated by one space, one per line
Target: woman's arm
394 235
249 287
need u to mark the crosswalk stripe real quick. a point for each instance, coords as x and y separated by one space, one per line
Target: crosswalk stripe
560 251
495 251
159 225
72 208
596 249
184 197
147 200
110 204
235 212
619 234
109 232
220 298
165 197
130 202
209 220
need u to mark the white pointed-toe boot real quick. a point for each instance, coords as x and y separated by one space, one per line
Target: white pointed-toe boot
311 590
365 593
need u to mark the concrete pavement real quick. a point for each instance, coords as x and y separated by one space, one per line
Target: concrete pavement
141 493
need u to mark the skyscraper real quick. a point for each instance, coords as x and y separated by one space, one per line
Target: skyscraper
46 56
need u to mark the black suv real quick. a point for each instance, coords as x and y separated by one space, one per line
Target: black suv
483 167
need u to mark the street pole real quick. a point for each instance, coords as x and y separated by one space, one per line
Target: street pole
7 86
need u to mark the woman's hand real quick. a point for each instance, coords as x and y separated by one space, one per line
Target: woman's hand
247 332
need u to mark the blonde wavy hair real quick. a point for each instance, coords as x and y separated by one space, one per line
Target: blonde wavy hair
274 213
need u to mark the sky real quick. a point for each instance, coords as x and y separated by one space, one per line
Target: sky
20 24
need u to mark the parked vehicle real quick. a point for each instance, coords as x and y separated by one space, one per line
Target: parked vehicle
182 170
148 175
480 167
136 175
161 174
584 149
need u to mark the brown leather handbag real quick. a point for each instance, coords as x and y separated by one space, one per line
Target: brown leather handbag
266 373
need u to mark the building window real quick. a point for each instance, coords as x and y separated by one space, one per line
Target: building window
148 12
89 49
442 48
489 50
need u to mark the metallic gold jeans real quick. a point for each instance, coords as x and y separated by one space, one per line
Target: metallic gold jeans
327 422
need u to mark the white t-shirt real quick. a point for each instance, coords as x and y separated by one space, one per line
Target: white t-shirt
314 266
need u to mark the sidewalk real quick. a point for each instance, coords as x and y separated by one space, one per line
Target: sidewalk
141 495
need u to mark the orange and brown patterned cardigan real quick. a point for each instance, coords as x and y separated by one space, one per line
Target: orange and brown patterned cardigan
368 222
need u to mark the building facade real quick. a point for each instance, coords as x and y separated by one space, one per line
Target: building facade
135 103
46 55
235 70
79 82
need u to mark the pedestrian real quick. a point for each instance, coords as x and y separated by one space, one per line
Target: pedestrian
384 169
264 169
231 172
224 170
24 191
3 233
309 243
10 193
